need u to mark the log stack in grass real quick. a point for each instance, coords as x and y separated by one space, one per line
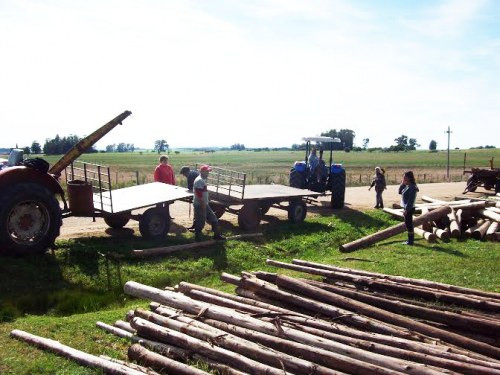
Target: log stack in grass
477 220
343 321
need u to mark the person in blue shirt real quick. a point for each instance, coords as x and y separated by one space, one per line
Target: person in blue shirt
408 190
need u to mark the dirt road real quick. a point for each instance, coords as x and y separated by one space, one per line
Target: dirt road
356 198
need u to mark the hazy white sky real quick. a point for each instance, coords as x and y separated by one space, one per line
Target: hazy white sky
258 72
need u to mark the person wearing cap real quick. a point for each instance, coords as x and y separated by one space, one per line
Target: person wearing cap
202 211
190 175
379 182
164 171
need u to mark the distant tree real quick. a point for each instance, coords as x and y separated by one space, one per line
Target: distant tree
433 145
26 150
346 138
401 143
36 148
122 147
365 143
111 148
161 145
412 144
238 146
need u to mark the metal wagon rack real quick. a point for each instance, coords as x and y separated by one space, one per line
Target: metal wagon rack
229 193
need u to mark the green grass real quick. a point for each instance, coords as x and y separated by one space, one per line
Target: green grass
61 296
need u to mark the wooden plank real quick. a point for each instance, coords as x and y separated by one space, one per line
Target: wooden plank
140 196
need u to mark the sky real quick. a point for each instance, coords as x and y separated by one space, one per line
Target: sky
259 72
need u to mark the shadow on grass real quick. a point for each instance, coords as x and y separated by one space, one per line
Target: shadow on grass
422 244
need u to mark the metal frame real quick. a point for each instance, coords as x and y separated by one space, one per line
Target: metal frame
227 183
98 176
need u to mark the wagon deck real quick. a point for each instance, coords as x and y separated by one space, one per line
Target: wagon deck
261 192
139 196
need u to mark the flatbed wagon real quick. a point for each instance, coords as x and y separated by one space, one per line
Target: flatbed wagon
91 195
229 192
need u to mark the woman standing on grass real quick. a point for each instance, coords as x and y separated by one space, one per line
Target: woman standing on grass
379 183
408 191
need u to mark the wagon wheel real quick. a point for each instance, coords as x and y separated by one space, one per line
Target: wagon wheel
249 216
154 223
264 207
117 221
218 209
297 211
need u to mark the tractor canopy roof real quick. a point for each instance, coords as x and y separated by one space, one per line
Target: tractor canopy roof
321 139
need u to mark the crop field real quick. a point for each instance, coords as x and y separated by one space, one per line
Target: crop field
274 166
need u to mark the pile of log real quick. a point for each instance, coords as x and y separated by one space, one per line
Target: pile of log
344 322
442 220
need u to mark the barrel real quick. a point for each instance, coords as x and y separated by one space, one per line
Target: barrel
81 201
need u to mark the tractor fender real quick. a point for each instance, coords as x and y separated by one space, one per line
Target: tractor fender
16 175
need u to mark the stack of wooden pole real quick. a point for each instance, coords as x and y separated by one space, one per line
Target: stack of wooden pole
467 219
347 322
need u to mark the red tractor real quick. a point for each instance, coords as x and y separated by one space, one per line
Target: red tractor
30 213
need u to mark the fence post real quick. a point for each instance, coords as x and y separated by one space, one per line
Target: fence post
116 179
137 177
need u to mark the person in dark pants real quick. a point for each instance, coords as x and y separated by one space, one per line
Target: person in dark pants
379 183
202 211
408 190
190 175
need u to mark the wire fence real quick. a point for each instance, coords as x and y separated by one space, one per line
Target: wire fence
125 179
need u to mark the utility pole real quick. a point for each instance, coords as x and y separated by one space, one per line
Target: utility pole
448 164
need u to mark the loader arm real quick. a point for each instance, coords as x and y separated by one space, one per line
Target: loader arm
85 143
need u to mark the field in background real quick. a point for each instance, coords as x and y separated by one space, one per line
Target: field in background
273 166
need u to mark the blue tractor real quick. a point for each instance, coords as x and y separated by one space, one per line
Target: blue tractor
314 174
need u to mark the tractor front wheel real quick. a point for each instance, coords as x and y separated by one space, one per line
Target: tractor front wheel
30 219
337 185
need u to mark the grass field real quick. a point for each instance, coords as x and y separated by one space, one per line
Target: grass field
274 166
62 295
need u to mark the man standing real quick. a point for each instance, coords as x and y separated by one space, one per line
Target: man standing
190 176
164 171
202 210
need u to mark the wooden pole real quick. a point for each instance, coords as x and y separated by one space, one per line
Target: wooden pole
490 233
480 232
454 227
400 279
78 356
204 348
196 245
325 296
441 234
158 362
490 215
394 230
430 237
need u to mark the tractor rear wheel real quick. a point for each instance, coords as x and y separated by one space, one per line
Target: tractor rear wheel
297 211
154 224
337 185
117 221
30 219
